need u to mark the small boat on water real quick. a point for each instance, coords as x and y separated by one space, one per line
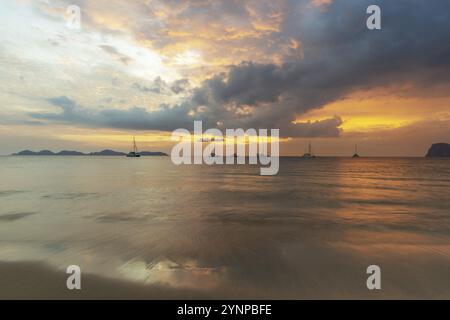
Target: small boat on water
134 153
356 155
309 154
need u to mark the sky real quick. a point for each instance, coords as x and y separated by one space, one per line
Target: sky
144 68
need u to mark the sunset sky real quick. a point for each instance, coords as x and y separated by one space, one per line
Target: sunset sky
145 68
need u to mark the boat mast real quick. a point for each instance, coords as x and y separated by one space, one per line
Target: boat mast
134 145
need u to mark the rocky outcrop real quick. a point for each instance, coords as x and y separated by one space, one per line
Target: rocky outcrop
439 150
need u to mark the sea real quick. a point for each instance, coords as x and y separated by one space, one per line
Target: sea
146 228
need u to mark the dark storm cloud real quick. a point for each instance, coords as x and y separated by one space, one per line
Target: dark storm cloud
135 118
340 55
169 118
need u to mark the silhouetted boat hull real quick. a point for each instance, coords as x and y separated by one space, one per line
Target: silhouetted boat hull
133 155
308 156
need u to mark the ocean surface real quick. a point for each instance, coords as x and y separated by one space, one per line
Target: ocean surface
147 228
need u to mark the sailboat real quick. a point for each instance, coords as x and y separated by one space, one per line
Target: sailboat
308 154
134 153
356 155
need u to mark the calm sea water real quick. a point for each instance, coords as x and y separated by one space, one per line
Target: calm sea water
226 231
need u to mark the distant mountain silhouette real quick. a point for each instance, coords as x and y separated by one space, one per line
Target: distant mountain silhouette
24 153
439 150
45 153
69 153
77 153
32 153
107 153
151 154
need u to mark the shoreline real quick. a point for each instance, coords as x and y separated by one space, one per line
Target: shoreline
38 281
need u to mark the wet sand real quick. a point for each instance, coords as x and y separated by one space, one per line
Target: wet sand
30 280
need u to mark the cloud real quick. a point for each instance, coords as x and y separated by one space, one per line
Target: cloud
319 128
159 86
339 56
319 3
168 118
135 118
180 86
113 51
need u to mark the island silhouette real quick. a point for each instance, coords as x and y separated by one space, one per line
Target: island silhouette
106 152
439 150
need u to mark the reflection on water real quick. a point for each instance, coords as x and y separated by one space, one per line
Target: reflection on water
310 231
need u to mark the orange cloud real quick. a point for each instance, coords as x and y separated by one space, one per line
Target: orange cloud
318 3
